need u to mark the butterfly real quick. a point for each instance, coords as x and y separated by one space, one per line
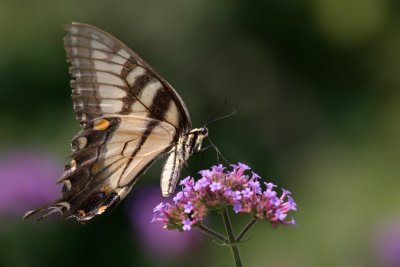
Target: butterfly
129 115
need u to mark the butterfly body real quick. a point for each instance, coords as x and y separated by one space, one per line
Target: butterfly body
130 116
187 145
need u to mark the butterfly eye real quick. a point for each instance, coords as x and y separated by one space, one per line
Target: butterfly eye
204 131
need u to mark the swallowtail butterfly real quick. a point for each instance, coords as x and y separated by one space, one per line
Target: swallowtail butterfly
129 116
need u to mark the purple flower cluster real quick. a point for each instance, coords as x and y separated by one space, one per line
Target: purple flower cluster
218 189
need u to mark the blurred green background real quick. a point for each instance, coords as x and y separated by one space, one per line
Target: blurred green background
316 89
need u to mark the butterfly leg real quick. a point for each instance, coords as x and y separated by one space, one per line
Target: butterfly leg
204 149
216 150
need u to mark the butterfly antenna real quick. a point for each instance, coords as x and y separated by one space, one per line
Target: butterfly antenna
222 117
216 110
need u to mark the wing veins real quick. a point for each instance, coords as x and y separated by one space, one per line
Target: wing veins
97 70
98 83
93 48
98 59
109 165
80 192
90 38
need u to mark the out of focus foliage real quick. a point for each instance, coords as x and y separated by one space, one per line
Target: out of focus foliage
316 89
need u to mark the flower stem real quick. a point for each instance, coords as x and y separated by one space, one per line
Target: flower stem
247 228
212 233
232 240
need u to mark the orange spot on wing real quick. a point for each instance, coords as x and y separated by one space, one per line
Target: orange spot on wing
101 209
101 124
82 213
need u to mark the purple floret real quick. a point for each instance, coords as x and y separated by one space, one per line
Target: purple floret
187 225
215 186
188 207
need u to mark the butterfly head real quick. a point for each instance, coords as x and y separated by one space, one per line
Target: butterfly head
195 138
199 133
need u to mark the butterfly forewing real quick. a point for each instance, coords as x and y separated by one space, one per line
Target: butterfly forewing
111 79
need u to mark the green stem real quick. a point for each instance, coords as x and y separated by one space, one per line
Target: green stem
232 240
247 228
210 232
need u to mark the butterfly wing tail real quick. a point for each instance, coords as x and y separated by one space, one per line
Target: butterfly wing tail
51 208
65 209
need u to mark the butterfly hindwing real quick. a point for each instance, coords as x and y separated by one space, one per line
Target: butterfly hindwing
99 172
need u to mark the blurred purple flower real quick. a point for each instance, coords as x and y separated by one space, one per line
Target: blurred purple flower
387 244
27 180
154 239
